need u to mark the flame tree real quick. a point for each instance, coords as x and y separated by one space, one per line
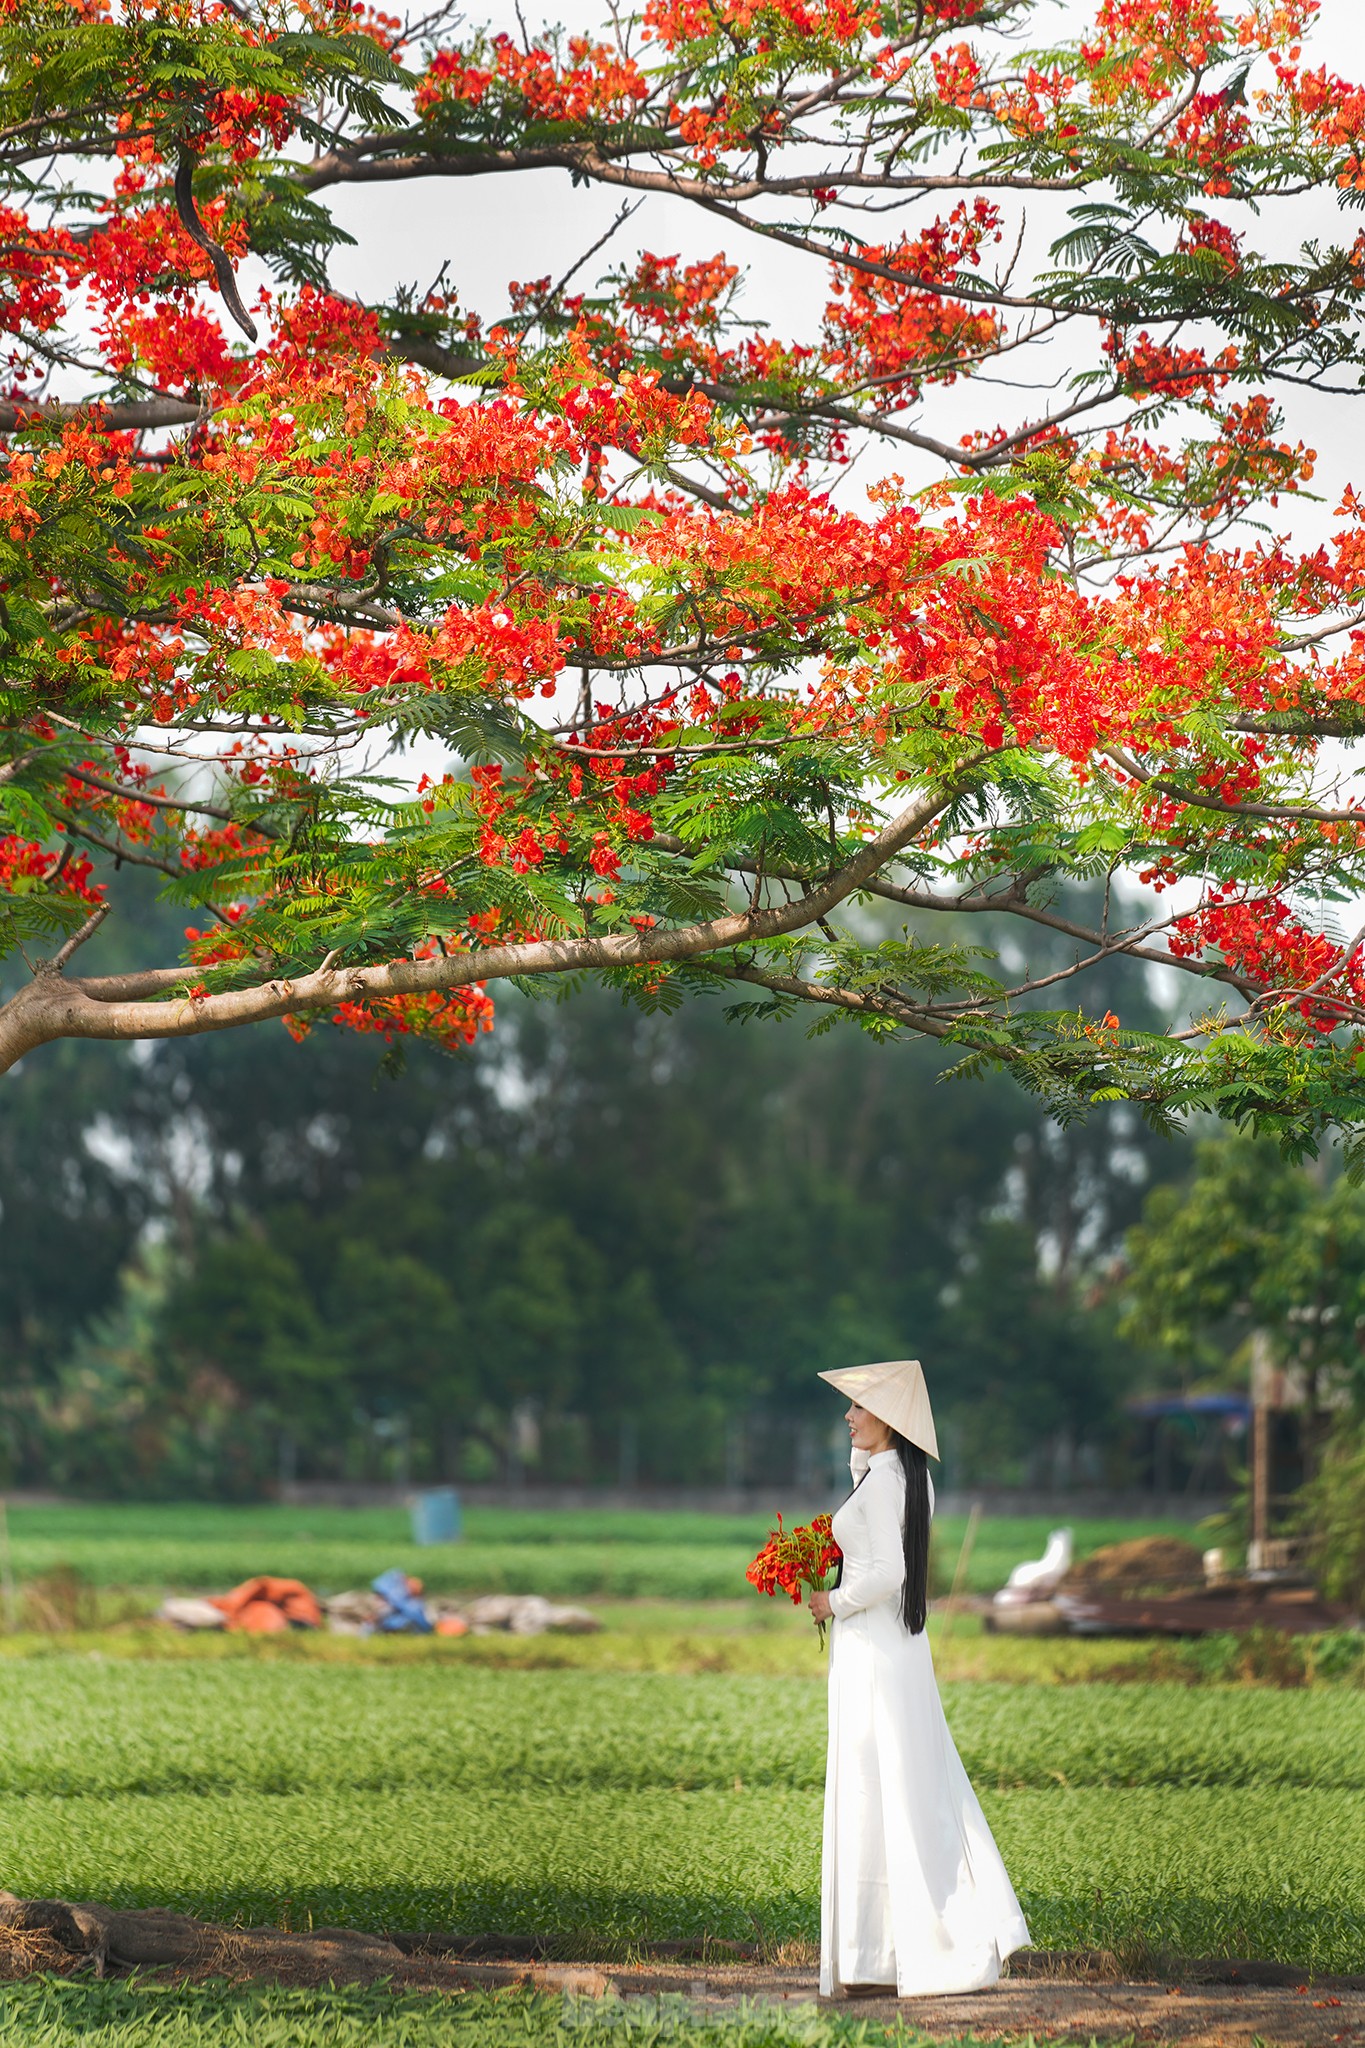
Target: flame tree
701 693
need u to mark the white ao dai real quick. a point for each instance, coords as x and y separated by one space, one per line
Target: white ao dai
913 1892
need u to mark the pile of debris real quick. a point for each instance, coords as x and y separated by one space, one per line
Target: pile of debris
516 1614
393 1604
1154 1585
1147 1565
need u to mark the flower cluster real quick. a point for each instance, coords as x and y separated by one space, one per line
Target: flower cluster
596 84
793 1559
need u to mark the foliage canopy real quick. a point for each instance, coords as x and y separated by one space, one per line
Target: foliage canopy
597 555
1253 1244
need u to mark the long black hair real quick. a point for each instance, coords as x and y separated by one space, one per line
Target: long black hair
915 1598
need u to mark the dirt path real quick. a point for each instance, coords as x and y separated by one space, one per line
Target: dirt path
1324 2012
1050 1997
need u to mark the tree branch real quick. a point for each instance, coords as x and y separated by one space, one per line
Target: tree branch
1015 904
71 1009
78 938
131 415
137 796
1200 799
859 1002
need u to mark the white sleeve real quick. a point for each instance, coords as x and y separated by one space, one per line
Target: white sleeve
879 1573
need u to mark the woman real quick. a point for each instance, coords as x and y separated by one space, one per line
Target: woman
913 1893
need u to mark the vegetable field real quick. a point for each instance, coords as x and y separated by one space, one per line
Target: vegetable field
565 1555
608 1808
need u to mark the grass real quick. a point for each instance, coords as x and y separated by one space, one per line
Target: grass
569 1555
78 1728
82 2014
605 1809
1196 1873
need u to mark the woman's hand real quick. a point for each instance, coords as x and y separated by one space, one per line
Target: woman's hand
820 1609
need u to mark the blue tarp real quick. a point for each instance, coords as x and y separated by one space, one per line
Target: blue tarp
406 1610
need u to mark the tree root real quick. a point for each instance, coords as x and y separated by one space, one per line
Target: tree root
37 1934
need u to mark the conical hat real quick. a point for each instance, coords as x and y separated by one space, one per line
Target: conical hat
895 1393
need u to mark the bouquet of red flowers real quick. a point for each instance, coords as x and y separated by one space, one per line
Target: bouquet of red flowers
793 1558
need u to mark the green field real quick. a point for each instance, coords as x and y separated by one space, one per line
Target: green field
669 1590
624 1555
660 1779
606 1809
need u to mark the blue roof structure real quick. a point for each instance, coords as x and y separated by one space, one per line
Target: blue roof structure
1191 1404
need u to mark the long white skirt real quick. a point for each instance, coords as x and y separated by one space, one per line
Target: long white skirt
914 1892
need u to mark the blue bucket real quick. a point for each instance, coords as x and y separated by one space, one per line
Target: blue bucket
436 1516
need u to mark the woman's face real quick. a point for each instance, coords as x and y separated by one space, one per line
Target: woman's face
868 1432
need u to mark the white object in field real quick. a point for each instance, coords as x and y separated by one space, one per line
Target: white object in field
182 1613
1215 1567
526 1614
520 1614
913 1893
1040 1576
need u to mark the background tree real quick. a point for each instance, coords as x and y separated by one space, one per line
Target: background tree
1253 1243
1331 1516
692 705
643 1232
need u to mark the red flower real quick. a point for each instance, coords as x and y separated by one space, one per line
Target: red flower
793 1558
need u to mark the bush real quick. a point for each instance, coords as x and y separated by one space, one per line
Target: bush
1339 1655
1332 1517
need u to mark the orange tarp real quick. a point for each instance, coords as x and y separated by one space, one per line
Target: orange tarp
262 1607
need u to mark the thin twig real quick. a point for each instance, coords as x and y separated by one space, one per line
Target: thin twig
963 1559
218 257
78 938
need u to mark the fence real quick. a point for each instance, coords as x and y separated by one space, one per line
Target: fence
1082 1504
